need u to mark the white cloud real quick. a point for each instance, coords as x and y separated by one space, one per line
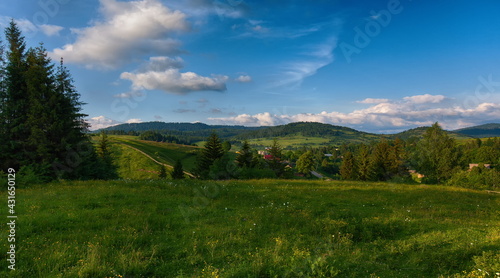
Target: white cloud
131 94
419 99
134 121
51 30
129 29
373 100
161 63
101 122
173 81
104 122
392 115
202 8
162 73
244 79
316 57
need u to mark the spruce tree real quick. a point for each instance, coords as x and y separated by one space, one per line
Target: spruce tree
178 172
245 156
163 172
14 104
363 163
379 162
347 169
274 163
39 80
213 150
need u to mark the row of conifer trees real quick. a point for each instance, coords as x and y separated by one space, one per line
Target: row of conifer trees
42 129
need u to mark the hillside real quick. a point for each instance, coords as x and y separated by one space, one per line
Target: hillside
170 126
481 131
292 135
166 153
419 132
306 134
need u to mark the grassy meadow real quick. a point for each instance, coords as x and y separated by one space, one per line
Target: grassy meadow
163 152
264 228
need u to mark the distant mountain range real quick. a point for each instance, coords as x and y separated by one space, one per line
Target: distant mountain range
481 131
303 129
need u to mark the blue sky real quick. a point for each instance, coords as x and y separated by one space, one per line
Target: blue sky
377 66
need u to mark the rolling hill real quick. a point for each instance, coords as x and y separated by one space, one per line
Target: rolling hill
293 135
419 132
481 131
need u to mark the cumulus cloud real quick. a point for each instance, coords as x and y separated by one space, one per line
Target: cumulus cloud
162 63
51 30
173 81
162 73
129 29
419 99
133 121
373 100
101 122
394 115
104 122
244 79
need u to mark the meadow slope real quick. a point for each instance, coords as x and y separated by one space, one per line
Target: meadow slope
265 228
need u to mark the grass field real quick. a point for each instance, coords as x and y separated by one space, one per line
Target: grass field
292 141
163 152
134 165
265 228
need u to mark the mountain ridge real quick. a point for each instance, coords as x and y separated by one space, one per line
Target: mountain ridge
306 129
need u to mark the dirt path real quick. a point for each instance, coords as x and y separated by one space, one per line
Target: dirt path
156 161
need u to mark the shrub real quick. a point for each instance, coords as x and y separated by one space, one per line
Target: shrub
476 178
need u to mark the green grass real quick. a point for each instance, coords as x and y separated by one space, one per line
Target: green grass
264 228
293 141
163 152
132 164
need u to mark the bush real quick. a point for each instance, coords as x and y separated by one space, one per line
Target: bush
477 178
32 174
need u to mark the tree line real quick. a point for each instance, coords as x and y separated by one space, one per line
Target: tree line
436 157
42 129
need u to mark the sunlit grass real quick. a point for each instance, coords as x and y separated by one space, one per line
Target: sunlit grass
264 228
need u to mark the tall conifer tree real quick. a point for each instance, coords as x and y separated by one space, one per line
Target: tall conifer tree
213 150
15 102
